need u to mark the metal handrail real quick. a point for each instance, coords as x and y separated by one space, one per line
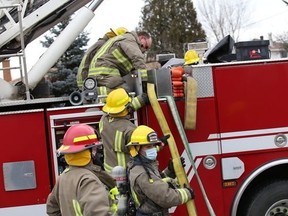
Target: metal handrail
21 53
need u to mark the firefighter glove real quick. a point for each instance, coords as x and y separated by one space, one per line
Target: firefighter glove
145 98
130 108
190 190
171 167
183 161
164 139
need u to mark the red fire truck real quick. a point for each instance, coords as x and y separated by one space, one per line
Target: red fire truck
239 145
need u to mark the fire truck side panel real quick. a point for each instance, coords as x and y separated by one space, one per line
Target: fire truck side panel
251 96
251 104
24 167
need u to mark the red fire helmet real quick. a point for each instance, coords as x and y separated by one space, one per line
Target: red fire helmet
77 138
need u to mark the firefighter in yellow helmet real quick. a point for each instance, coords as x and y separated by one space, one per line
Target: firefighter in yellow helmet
86 60
83 188
116 128
191 57
151 190
118 57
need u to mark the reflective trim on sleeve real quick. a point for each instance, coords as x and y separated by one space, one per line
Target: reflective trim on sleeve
136 103
80 79
103 90
117 147
135 198
103 71
184 195
101 125
77 208
103 49
143 73
122 59
166 179
80 84
107 167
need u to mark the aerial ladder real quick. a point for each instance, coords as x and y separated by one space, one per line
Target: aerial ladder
22 21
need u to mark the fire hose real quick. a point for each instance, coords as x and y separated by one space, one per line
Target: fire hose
190 103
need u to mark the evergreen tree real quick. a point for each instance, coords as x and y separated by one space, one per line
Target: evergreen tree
63 77
171 24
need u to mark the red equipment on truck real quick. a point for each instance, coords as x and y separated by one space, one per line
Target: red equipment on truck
239 144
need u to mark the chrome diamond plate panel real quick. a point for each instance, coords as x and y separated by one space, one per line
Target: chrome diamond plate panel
203 76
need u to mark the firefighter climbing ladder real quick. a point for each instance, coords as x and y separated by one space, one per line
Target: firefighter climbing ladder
179 170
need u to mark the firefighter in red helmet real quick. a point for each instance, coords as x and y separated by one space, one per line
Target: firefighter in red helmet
83 188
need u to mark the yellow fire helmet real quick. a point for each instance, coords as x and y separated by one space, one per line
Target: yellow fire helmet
116 101
191 57
120 30
142 135
116 32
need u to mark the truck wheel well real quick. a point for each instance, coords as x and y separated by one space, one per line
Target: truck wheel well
271 174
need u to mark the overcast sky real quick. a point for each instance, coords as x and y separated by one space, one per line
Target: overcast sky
266 16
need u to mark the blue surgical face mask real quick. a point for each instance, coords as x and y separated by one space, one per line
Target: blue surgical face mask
151 154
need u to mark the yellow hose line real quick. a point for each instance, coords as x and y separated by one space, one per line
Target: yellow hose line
179 170
190 103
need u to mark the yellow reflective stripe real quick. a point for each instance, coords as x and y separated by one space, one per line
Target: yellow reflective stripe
107 45
80 84
135 198
84 138
77 208
117 146
184 195
143 73
121 159
101 125
122 59
107 167
66 170
117 141
136 103
103 90
82 63
104 48
80 79
167 179
104 71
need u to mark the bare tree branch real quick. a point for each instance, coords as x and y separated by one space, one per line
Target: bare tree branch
223 17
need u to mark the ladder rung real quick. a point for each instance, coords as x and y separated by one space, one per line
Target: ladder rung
11 55
6 68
